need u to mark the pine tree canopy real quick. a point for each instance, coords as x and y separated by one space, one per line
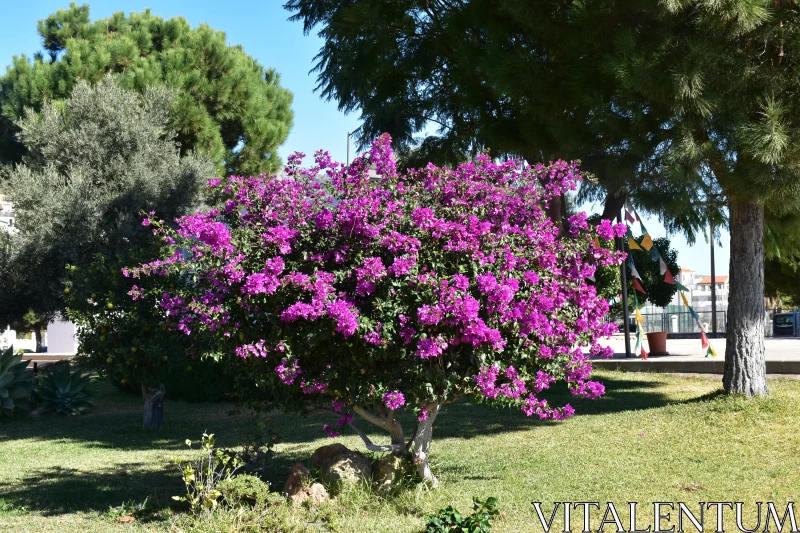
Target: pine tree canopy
678 105
228 106
690 108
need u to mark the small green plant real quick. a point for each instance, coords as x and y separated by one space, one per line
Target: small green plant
8 508
449 520
16 382
63 392
257 436
203 476
246 490
129 508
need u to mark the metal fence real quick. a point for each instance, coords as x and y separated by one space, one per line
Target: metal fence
683 322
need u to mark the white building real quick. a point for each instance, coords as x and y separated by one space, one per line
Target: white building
59 337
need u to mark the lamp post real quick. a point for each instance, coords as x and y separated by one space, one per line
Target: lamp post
713 286
626 327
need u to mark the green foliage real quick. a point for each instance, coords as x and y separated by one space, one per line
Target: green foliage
257 436
659 292
63 392
449 520
94 163
782 281
228 107
16 382
203 476
246 490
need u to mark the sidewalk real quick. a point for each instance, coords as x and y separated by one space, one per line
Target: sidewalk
687 356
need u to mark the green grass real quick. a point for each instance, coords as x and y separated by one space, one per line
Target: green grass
651 438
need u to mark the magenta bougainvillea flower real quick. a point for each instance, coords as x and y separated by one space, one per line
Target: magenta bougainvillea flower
375 289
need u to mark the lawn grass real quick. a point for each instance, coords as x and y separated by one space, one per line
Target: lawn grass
653 437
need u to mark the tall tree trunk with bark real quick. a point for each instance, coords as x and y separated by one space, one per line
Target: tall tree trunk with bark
37 333
153 406
745 366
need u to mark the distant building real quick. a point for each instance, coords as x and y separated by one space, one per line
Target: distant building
59 336
675 316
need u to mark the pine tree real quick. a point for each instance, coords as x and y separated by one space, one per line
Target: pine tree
689 107
228 107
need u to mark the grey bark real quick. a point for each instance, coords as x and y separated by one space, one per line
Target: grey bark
153 406
745 366
37 334
421 446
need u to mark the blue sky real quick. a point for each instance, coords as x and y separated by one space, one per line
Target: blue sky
262 28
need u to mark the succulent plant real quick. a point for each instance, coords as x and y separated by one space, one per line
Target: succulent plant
63 392
15 381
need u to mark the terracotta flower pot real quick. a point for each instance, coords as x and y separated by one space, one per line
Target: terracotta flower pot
658 343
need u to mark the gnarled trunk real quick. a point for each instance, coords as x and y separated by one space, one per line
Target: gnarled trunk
37 334
421 446
745 366
153 406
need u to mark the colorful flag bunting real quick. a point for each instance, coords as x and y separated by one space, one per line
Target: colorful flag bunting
637 286
681 287
662 265
654 254
704 339
629 217
597 243
668 278
639 317
634 272
685 301
644 354
632 244
647 242
711 351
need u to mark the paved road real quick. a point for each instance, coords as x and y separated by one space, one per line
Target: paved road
776 348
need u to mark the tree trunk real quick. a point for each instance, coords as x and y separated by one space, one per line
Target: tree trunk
37 333
612 205
422 446
745 366
153 406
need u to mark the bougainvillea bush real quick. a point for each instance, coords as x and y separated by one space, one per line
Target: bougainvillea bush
361 291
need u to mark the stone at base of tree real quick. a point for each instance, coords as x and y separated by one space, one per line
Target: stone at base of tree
389 472
298 477
316 493
340 464
153 406
297 489
324 453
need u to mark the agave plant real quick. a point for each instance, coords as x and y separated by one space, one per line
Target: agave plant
63 392
15 382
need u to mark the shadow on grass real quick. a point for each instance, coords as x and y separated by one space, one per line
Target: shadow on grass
63 490
116 424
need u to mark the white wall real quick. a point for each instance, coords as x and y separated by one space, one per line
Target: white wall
61 337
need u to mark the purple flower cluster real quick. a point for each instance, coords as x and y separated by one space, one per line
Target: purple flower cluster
456 275
394 400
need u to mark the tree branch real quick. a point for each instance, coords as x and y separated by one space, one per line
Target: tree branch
382 423
375 447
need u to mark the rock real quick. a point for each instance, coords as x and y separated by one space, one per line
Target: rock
340 464
389 472
298 478
324 453
316 493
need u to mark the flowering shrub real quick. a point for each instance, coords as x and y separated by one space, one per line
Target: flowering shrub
360 294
